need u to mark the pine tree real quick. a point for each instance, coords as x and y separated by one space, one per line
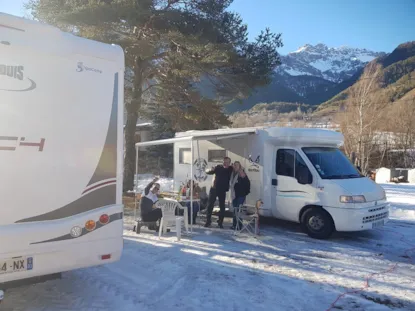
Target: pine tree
171 48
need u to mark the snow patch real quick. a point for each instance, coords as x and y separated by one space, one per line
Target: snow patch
294 72
366 58
321 65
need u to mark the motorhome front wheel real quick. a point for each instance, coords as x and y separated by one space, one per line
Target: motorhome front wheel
317 223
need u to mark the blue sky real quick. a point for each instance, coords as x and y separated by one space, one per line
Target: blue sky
378 25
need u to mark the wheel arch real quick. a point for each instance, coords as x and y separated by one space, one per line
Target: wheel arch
310 206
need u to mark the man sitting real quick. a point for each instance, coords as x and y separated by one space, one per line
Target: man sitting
148 212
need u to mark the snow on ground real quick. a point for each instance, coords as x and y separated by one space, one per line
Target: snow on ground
166 184
402 200
214 270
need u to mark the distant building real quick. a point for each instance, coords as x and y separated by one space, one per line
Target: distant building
143 132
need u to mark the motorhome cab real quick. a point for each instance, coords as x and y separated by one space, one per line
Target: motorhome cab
299 175
61 151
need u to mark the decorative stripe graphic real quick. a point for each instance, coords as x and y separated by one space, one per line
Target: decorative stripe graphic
99 198
113 217
13 28
107 165
291 195
30 88
104 183
94 197
292 191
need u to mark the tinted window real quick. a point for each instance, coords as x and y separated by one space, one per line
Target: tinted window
290 163
331 163
285 162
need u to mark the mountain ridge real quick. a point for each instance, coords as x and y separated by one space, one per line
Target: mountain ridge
334 64
311 75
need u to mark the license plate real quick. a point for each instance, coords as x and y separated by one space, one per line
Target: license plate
378 224
16 264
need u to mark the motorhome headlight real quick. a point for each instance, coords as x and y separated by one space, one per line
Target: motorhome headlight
352 199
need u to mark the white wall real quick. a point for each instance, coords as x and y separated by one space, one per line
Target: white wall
411 176
383 175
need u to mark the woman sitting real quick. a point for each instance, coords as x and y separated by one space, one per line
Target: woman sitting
149 213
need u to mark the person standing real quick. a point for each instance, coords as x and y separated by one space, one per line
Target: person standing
240 188
220 187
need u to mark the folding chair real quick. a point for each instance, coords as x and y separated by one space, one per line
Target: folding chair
249 221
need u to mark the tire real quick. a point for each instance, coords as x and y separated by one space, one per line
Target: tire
317 223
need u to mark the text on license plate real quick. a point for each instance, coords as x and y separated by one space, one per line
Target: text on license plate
378 223
16 264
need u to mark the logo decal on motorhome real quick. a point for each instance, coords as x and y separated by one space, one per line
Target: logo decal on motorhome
11 143
254 164
15 74
81 67
200 167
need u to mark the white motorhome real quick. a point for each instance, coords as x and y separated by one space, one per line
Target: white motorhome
299 175
61 148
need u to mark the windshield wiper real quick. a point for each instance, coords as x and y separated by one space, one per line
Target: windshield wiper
354 176
343 176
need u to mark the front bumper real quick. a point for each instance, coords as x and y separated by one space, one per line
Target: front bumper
358 219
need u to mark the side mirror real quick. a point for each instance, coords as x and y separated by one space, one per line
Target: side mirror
305 179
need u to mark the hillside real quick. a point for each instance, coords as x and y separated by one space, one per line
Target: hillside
270 113
310 75
398 76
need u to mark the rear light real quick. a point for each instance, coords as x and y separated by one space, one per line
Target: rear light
104 219
90 225
76 232
105 257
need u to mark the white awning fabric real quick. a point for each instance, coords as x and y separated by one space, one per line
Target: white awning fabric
200 135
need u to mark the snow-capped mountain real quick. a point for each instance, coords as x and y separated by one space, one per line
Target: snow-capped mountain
332 64
311 75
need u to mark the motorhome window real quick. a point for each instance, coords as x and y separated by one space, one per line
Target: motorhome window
285 162
301 171
185 156
331 163
216 156
290 163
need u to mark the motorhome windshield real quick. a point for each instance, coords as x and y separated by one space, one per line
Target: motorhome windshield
331 163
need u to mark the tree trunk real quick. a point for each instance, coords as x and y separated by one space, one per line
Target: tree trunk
129 161
130 127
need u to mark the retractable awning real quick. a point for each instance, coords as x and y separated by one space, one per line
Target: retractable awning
201 135
191 136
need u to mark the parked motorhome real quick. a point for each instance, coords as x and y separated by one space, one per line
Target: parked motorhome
61 148
299 175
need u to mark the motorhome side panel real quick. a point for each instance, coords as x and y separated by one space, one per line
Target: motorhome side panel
60 159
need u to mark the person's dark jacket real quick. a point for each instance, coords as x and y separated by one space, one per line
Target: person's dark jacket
242 187
222 177
146 204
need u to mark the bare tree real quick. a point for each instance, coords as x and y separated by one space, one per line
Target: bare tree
402 118
364 111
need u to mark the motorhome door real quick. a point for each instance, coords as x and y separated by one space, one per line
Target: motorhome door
292 183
